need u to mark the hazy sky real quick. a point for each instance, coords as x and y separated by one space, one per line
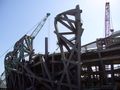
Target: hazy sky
19 16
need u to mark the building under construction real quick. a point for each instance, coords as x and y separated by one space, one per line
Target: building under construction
94 66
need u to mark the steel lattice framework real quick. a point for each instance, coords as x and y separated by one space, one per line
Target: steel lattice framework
70 40
20 65
75 67
107 19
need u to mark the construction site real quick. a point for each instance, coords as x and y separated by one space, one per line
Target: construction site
93 66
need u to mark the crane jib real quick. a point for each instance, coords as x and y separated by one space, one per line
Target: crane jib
39 26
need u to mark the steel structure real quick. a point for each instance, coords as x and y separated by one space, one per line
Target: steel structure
70 40
23 52
107 19
22 56
94 66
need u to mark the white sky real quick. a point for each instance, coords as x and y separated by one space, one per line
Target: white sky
19 16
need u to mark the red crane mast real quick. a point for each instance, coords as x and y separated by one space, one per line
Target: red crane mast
107 19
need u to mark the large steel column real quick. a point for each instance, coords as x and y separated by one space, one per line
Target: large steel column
46 48
69 41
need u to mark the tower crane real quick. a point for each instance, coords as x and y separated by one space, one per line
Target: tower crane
23 48
108 29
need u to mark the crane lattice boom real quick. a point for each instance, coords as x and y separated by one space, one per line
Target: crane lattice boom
107 19
39 26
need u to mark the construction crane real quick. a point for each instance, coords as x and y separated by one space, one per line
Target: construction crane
23 48
107 19
108 29
40 25
25 45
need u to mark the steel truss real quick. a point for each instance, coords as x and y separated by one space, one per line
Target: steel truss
76 67
24 73
17 61
69 41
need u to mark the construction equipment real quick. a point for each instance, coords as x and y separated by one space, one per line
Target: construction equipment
23 50
107 19
90 67
108 40
24 46
40 25
21 63
108 29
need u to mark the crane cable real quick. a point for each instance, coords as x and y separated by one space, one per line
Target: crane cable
5 52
